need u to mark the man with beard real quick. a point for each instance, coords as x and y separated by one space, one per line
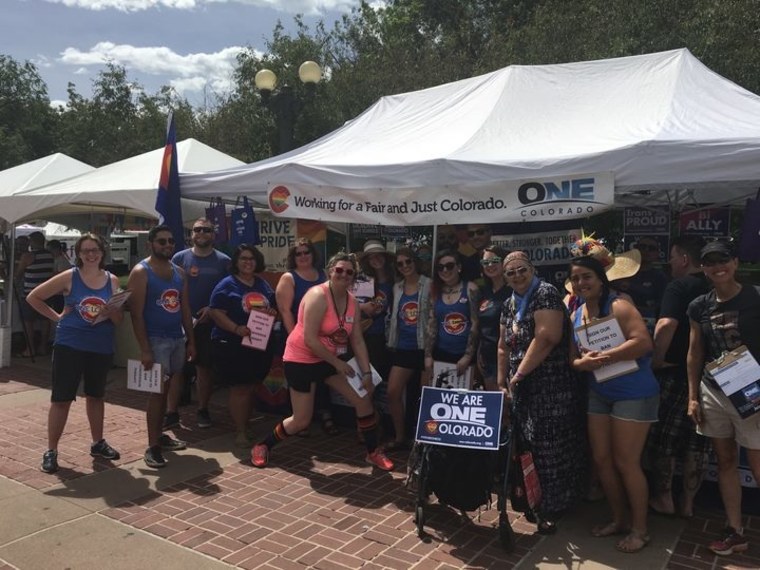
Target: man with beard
478 238
204 267
160 311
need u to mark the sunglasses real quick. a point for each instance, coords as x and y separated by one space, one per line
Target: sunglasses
490 262
203 230
340 271
717 260
519 271
445 266
480 232
303 253
164 241
647 247
404 263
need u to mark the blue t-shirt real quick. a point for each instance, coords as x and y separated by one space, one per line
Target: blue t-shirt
489 317
383 297
75 330
632 386
163 303
408 312
301 287
454 323
202 274
237 299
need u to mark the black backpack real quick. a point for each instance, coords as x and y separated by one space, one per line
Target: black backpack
461 478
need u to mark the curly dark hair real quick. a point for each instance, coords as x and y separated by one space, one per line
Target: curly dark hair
302 242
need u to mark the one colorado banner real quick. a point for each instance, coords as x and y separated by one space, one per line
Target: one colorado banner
540 199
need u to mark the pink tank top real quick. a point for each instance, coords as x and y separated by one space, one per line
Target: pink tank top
334 331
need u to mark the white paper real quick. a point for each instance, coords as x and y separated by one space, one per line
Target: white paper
260 324
737 372
364 289
143 380
604 334
445 376
356 382
116 301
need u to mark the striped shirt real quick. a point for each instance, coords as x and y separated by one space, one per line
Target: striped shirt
39 270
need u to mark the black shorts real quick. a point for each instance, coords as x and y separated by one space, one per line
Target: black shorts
237 365
202 335
411 359
300 376
442 356
70 365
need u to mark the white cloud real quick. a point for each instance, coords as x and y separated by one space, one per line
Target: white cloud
309 7
82 71
189 72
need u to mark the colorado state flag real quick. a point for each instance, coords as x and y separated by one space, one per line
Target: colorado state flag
168 199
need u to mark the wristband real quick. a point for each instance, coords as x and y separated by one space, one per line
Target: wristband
367 373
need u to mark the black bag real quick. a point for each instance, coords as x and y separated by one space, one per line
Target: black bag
460 477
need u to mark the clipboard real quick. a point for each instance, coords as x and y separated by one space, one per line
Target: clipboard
737 374
115 302
603 334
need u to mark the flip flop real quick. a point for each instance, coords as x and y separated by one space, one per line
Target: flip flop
609 529
632 543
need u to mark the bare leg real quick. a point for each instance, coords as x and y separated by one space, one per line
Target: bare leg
600 437
57 416
240 405
302 404
174 391
662 500
155 417
693 473
628 440
204 384
95 413
728 479
29 330
397 381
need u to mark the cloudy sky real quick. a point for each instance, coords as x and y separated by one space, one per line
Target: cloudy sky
190 44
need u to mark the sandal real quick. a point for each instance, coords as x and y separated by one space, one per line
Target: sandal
633 542
546 526
609 529
329 427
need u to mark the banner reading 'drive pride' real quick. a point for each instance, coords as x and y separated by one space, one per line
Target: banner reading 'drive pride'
569 197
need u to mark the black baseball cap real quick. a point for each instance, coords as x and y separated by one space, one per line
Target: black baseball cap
718 247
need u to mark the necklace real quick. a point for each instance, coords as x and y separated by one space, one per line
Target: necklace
452 289
341 318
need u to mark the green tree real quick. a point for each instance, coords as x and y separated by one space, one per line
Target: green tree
27 122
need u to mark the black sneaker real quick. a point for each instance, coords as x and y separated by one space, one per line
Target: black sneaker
102 449
171 420
154 458
204 419
169 444
50 461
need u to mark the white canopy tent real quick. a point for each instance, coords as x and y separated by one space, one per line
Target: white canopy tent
128 186
666 127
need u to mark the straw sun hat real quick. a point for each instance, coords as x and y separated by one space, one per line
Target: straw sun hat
620 266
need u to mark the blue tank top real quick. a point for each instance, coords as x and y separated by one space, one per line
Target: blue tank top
633 386
408 311
162 314
454 323
75 330
301 287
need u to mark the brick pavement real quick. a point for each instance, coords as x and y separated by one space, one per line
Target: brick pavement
316 506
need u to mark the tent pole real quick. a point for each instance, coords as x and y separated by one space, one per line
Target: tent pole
435 240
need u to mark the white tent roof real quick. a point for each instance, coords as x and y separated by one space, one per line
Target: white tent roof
127 186
40 172
657 122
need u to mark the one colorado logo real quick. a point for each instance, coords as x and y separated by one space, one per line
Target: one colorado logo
278 199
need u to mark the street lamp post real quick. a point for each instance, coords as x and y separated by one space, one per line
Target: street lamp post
284 103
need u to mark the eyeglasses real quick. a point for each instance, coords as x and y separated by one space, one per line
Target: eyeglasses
717 260
246 258
203 230
445 266
480 232
404 263
517 271
164 241
647 247
340 271
89 250
303 253
491 261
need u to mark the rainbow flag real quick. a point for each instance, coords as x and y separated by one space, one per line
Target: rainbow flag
168 203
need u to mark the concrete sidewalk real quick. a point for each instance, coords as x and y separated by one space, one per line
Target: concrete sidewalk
318 505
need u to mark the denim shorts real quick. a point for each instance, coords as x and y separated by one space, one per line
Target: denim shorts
169 353
638 410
